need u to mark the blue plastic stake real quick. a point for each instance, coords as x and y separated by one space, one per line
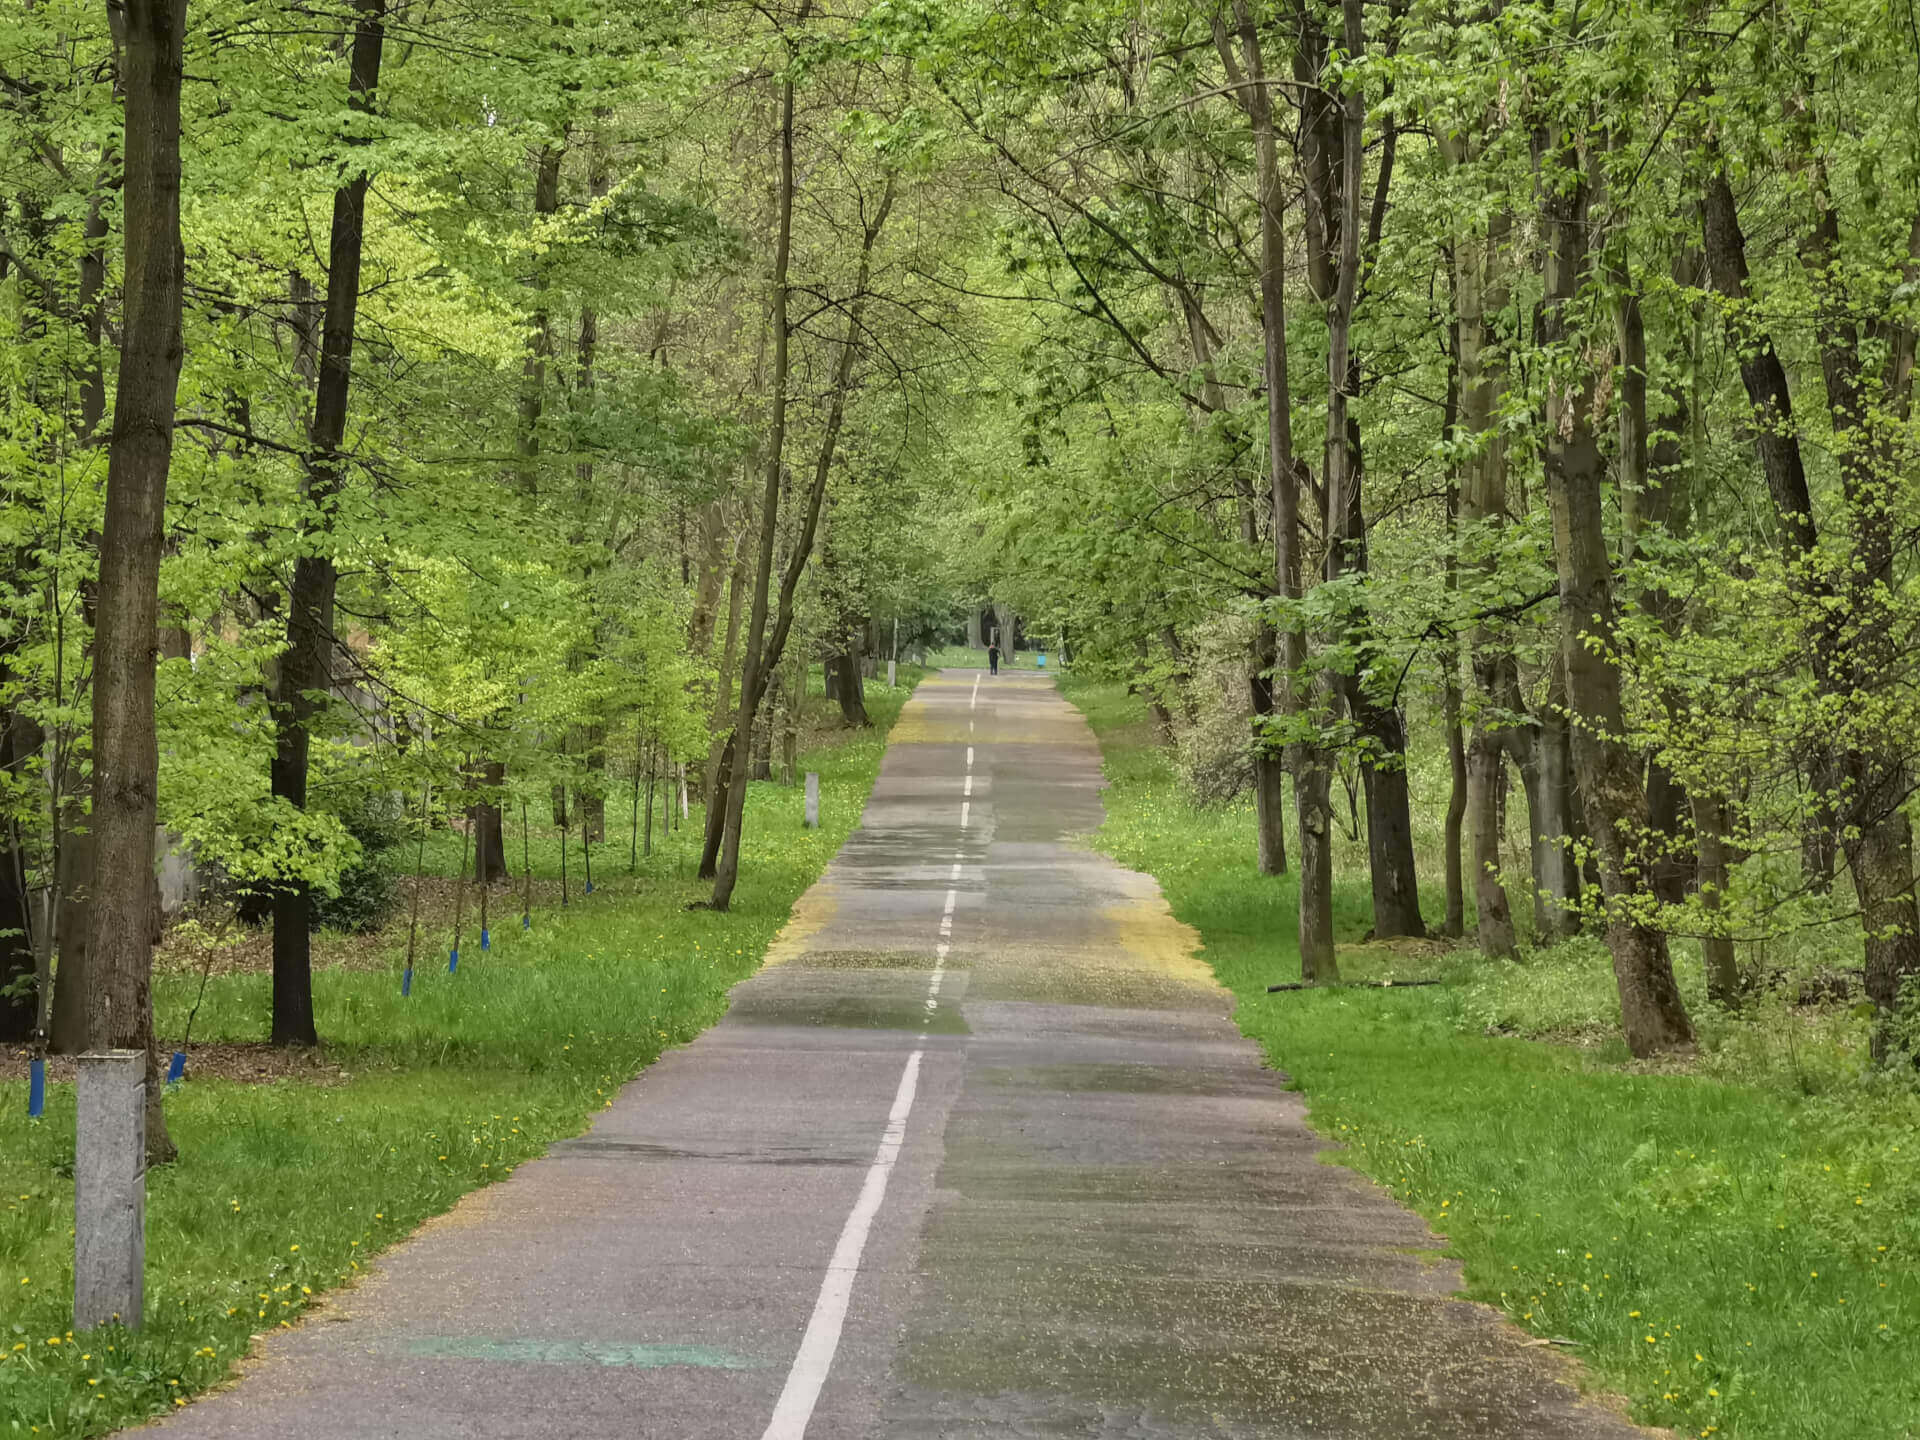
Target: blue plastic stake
453 961
486 940
36 1089
406 982
177 1067
589 887
526 922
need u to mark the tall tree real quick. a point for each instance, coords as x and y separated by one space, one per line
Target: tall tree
307 667
126 756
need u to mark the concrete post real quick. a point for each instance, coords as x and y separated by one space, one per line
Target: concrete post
813 800
892 677
110 1189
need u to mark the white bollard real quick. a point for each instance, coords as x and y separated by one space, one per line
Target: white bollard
813 800
891 680
110 1189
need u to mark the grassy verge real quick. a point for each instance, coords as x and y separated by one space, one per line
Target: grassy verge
285 1189
1734 1246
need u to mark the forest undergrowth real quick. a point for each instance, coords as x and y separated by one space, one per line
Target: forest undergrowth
286 1189
1731 1241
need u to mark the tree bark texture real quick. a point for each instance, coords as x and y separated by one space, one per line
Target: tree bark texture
126 757
1305 761
1652 1014
306 667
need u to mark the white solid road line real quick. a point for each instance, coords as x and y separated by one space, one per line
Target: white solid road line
817 1347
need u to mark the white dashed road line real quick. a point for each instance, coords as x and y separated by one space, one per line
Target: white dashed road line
794 1409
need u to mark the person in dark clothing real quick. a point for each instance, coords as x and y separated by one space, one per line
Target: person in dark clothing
993 659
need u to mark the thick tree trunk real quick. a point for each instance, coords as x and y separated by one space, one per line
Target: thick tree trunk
72 921
851 692
119 1008
306 667
1651 1011
489 839
1312 792
1396 891
1486 778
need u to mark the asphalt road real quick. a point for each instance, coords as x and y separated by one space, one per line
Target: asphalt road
980 1153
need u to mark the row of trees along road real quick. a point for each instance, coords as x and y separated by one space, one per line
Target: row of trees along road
505 398
484 381
1541 371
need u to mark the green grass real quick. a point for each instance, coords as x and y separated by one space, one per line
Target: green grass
1735 1247
285 1189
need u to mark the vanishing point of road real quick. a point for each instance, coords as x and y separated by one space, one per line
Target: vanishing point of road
978 1153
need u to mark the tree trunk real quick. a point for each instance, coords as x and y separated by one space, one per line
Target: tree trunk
1851 642
1716 951
590 800
306 667
1651 1011
71 920
850 692
760 666
1485 780
1455 924
710 781
489 839
1545 762
1306 762
533 369
119 1007
19 1004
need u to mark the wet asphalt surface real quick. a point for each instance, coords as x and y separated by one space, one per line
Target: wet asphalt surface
1098 1216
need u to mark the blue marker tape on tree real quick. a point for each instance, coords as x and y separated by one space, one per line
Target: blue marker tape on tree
177 1067
486 938
453 961
36 1088
526 922
406 981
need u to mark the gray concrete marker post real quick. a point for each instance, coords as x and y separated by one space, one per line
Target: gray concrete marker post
813 800
891 680
110 1189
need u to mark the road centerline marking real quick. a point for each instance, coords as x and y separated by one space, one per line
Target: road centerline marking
817 1347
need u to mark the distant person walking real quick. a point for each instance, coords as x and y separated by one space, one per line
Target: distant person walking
993 658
